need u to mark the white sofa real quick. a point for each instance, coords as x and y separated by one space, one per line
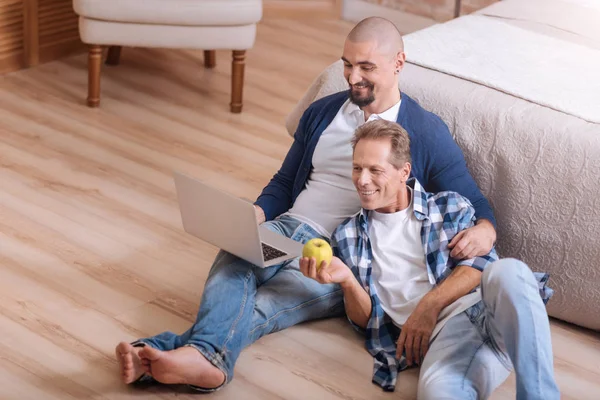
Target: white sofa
181 24
534 150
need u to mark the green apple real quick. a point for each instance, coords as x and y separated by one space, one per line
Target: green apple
319 249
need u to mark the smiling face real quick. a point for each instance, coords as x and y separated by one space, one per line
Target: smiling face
373 57
381 186
370 72
381 165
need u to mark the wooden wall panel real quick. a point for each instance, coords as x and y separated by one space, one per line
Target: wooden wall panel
12 47
58 29
36 31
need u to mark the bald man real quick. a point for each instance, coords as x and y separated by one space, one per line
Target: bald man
310 195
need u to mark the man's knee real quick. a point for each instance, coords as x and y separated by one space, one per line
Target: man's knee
445 389
508 274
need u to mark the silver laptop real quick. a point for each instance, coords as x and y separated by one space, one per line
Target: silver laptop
229 223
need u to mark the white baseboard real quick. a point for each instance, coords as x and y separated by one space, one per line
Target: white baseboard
356 10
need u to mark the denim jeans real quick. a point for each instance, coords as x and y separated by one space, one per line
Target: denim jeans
476 350
242 302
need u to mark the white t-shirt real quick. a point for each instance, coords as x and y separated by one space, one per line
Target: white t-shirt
330 196
398 267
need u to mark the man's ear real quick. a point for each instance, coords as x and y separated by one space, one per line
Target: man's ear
400 60
405 171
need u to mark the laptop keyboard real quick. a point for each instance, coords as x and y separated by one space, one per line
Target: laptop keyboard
270 253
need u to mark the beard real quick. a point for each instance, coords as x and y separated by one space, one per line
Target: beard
362 100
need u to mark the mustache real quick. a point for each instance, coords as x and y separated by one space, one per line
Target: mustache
361 84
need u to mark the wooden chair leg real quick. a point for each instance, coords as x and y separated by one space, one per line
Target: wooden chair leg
210 58
114 55
237 80
94 68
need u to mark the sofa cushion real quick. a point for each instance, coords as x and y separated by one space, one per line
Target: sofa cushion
108 33
173 12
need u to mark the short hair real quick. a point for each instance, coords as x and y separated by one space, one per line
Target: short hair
378 29
383 129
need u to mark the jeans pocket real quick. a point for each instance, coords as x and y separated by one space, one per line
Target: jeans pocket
303 233
476 314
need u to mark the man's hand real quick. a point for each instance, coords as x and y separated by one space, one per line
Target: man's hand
357 301
335 272
475 241
416 332
260 214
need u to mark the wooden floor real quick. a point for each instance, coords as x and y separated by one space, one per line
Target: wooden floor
92 250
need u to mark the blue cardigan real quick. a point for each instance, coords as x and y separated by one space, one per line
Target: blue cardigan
437 161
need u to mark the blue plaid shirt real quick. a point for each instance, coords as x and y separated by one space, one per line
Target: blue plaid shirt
443 216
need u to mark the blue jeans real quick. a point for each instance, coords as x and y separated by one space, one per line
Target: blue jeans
476 350
242 302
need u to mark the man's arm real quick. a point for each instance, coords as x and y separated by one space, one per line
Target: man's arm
356 300
474 241
448 172
357 303
466 225
416 332
260 214
461 282
276 197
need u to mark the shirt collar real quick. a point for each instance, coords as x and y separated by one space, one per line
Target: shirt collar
419 204
419 198
391 114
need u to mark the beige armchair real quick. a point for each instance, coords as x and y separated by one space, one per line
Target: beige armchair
191 24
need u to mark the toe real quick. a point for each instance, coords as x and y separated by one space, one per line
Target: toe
150 353
124 348
129 362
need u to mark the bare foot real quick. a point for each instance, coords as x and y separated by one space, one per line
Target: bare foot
184 365
129 362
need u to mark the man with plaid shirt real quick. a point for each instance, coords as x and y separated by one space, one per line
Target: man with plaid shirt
467 323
